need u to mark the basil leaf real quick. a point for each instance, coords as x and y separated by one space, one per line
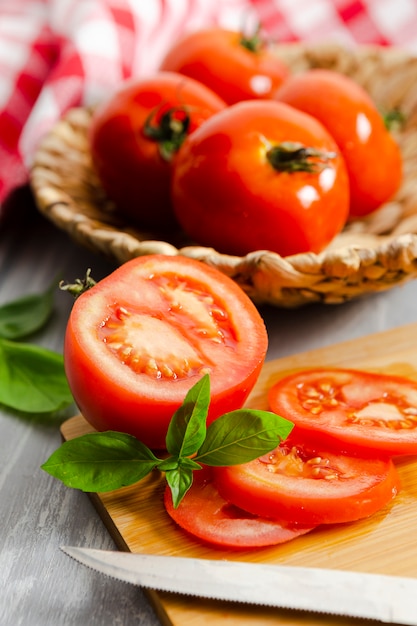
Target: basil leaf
179 481
24 316
101 461
241 436
32 379
187 428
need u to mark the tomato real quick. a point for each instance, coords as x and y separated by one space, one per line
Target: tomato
350 409
309 485
134 136
260 175
233 65
372 156
209 517
139 339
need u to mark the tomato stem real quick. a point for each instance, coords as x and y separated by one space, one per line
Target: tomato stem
394 119
254 42
295 157
80 285
168 128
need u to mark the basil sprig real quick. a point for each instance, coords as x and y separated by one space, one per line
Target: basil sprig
32 378
100 462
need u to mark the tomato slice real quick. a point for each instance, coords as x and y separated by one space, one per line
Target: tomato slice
209 517
309 486
142 337
351 410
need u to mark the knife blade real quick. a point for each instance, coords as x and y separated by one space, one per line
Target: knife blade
389 599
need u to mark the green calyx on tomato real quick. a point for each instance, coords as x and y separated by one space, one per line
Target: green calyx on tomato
290 156
394 119
80 285
99 462
168 127
254 43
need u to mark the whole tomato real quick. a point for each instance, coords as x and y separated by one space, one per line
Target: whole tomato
139 339
134 136
261 175
233 65
372 156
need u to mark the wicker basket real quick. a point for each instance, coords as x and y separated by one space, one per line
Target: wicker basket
370 255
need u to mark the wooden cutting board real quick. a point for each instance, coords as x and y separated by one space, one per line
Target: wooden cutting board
385 543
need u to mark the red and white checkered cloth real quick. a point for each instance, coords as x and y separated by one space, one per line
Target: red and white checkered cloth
56 54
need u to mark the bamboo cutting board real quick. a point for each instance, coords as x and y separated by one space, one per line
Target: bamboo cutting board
385 543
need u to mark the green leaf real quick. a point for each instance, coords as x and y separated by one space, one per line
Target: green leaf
241 436
99 462
32 379
26 315
179 481
187 428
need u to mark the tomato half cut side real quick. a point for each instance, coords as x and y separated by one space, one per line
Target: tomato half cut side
309 486
207 516
352 410
143 336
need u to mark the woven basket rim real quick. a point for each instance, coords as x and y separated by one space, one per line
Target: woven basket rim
371 255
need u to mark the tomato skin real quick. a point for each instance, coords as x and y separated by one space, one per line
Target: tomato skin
372 156
217 58
226 194
129 164
210 518
304 491
139 339
358 412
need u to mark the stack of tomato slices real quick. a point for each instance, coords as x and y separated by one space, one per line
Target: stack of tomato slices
336 467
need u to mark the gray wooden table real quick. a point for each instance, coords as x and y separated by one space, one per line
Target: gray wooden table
39 585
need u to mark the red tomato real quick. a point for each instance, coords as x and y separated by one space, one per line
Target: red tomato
233 65
207 516
350 410
138 340
260 175
310 486
372 156
134 136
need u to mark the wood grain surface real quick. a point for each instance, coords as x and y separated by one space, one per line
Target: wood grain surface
385 543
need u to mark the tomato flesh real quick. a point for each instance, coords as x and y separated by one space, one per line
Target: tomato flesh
137 342
310 486
209 517
350 410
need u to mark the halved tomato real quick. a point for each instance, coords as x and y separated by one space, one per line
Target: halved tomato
350 410
209 517
142 337
309 485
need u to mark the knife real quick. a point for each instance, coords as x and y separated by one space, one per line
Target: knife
389 599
